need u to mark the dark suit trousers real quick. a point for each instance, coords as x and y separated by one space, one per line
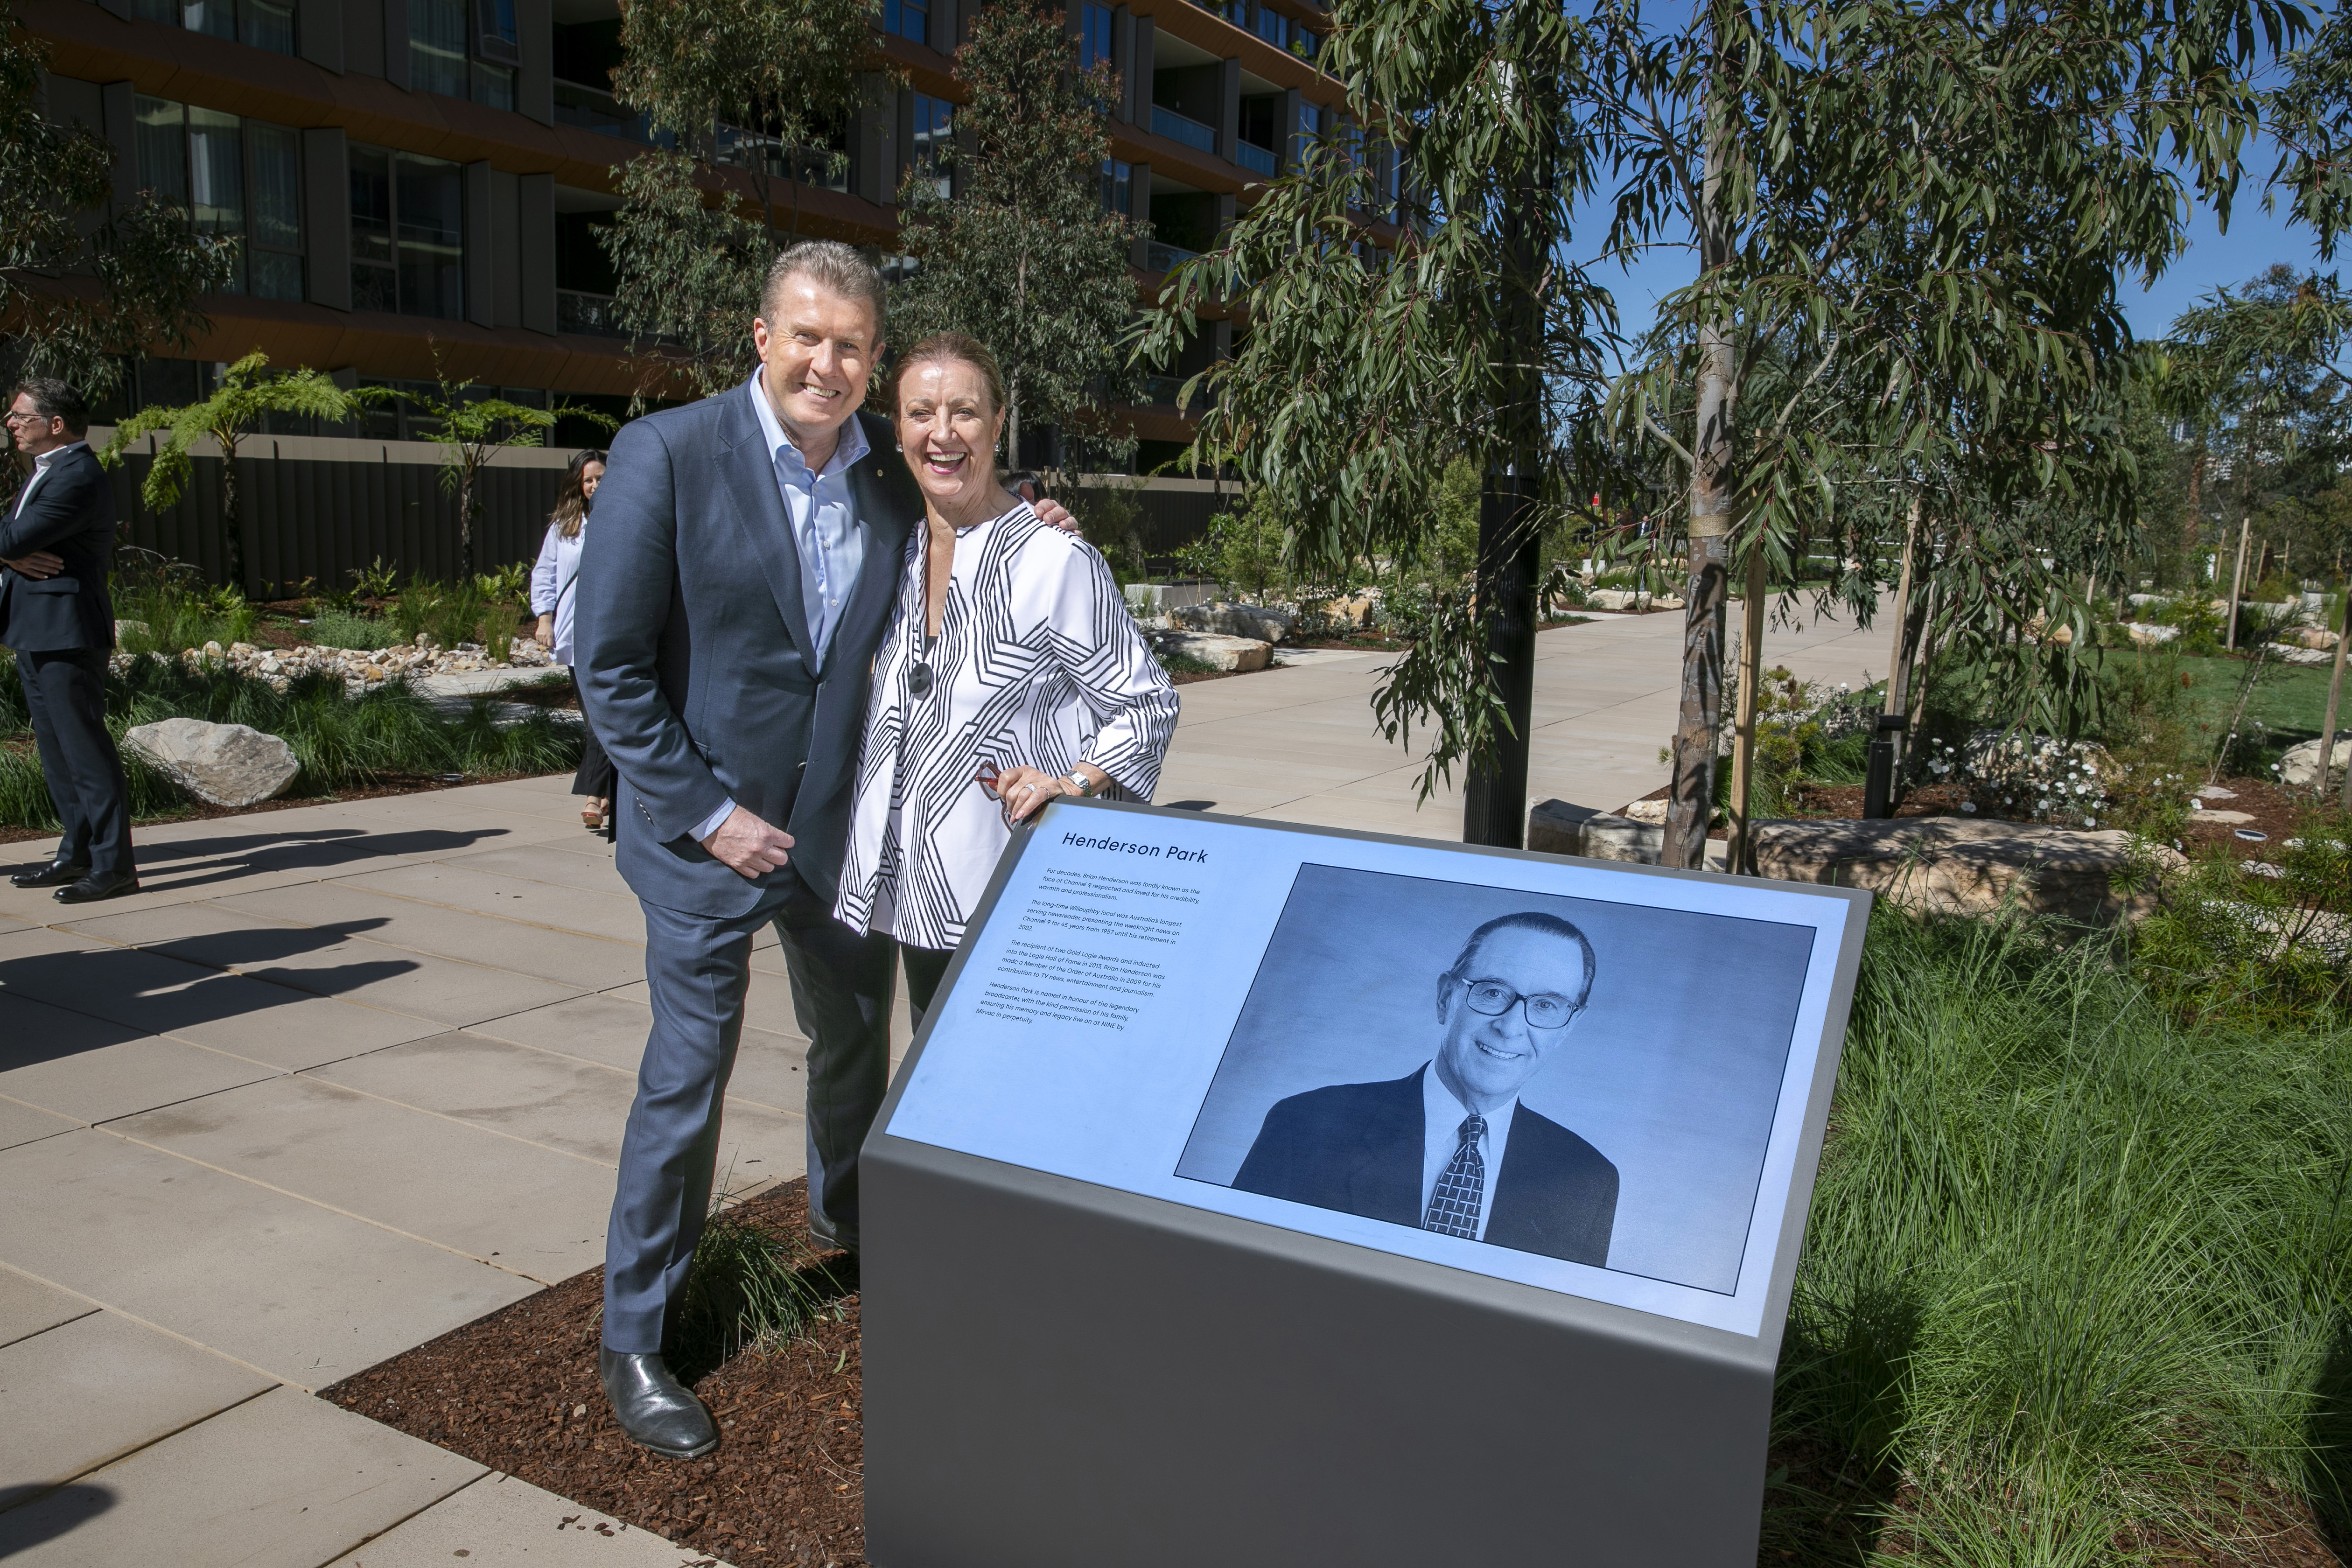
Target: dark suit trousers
697 968
65 691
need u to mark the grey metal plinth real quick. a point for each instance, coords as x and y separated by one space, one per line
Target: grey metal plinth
1062 1375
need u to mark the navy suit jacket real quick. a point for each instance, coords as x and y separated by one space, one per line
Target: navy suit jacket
71 516
693 654
1357 1147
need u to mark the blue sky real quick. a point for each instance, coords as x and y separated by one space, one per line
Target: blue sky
2255 239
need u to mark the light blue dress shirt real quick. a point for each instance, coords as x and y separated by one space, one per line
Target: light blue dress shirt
824 518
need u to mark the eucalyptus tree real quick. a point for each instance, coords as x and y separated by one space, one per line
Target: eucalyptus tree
1365 371
1022 255
761 85
148 265
1924 207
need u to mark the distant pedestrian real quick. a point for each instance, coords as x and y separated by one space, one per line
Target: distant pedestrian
55 613
554 598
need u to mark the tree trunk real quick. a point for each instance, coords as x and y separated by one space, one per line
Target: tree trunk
2238 582
1691 798
1741 851
1510 544
465 525
232 531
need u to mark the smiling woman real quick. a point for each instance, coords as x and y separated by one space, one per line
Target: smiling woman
1012 673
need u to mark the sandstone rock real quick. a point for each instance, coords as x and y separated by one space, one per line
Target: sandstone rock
1216 652
2299 769
2223 818
1942 865
2310 637
1259 623
2145 634
2304 656
1617 600
1651 811
1557 827
220 764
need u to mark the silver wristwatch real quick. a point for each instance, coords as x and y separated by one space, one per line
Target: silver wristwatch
1079 782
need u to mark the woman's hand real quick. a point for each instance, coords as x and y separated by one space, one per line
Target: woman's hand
1024 791
545 636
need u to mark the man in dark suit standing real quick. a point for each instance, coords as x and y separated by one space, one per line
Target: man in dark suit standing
747 557
54 545
1449 1147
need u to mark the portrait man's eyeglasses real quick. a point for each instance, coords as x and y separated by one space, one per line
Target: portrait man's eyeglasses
1493 998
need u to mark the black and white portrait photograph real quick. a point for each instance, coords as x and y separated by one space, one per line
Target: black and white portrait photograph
1583 1080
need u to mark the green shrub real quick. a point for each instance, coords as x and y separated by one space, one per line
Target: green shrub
342 628
752 1286
2078 1262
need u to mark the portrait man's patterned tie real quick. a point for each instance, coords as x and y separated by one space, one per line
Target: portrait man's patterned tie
1453 1204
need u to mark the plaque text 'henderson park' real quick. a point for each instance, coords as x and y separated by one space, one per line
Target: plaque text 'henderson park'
1588 1080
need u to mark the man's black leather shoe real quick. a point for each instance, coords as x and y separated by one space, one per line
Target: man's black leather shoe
654 1409
55 874
90 890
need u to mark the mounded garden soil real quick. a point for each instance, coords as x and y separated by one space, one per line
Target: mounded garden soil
518 1391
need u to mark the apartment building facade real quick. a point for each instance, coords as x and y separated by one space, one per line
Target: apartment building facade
423 180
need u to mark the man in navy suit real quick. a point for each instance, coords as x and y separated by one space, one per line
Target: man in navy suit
54 545
1449 1147
747 555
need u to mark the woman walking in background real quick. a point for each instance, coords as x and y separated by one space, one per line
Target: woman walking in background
1011 673
553 583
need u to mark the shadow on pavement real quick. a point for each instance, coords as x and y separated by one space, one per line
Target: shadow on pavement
180 865
30 1515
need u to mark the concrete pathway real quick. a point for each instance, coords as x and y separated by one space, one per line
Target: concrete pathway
343 1078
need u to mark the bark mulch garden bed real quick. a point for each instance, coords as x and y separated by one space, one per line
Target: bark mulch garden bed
518 1391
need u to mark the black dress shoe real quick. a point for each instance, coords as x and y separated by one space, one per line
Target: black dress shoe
90 890
55 874
653 1407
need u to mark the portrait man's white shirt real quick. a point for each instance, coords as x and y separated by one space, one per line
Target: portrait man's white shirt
1440 1136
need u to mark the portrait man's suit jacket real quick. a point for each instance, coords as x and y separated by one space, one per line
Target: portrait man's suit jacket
71 516
1358 1148
694 654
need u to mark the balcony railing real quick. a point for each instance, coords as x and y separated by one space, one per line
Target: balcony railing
767 154
1182 128
590 315
592 110
1158 255
1164 391
1249 155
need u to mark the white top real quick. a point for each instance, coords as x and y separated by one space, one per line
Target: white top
555 583
1441 1135
1038 664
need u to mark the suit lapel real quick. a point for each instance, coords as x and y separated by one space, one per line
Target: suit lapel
749 487
1386 1181
882 528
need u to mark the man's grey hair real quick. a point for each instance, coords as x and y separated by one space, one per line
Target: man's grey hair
55 399
1526 920
832 266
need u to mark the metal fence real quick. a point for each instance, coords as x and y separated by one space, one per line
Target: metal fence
322 519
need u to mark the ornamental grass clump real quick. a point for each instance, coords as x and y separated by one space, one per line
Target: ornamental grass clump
752 1287
2078 1281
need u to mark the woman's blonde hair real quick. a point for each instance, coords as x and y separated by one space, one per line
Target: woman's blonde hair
951 348
572 501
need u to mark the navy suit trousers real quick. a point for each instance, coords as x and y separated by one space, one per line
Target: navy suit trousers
698 967
65 696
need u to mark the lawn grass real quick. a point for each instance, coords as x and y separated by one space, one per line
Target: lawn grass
2078 1272
343 742
2289 699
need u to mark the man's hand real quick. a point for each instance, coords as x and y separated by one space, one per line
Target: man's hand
748 845
40 564
1055 514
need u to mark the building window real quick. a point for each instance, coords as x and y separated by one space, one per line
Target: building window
1119 187
1274 28
263 24
408 234
235 178
1303 43
1094 36
907 19
462 55
934 128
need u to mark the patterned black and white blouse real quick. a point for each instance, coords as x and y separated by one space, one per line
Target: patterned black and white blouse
1037 664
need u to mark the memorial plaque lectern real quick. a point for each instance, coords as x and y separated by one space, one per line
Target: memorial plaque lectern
1271 1195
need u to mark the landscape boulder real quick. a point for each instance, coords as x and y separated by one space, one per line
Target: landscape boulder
2299 769
220 764
1557 827
1961 866
1217 652
1259 623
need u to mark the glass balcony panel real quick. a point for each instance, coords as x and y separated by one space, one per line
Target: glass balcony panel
1260 159
1181 127
1158 255
592 108
588 314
